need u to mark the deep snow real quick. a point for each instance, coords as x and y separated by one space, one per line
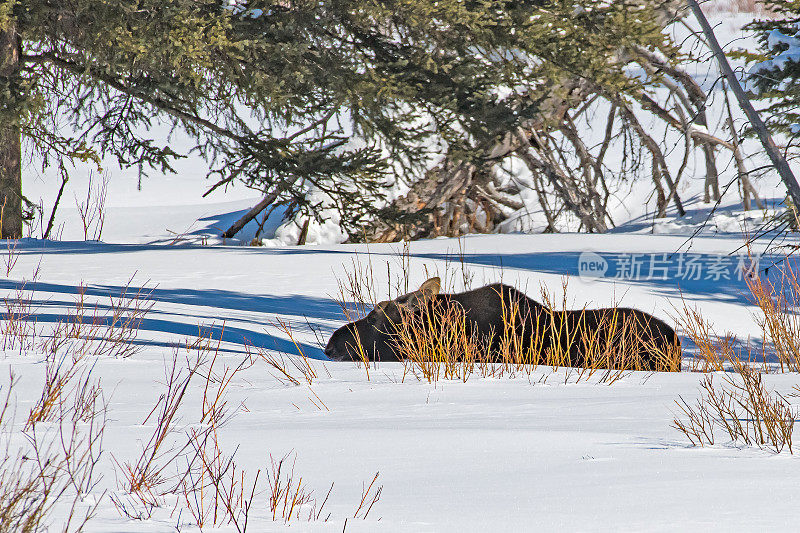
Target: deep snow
511 454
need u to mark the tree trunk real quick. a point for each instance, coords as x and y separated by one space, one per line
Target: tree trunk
301 240
694 97
260 206
778 161
453 176
746 187
10 146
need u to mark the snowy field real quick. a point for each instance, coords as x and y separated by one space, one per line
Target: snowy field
538 452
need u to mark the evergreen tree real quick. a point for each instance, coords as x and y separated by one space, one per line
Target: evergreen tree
337 96
775 69
776 79
260 90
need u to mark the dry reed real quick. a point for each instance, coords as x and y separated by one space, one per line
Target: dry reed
742 408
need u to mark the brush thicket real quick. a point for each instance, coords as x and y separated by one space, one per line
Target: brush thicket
779 302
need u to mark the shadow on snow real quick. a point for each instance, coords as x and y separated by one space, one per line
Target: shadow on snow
311 309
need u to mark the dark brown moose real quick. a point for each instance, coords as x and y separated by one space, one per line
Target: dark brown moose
627 334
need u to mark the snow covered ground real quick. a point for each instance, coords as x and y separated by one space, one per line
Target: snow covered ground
517 454
537 452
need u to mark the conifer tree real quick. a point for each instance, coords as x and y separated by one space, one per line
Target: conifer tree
289 96
258 87
775 69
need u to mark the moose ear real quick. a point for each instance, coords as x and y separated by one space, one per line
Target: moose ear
431 288
418 298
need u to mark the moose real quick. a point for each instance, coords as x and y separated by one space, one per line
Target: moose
488 311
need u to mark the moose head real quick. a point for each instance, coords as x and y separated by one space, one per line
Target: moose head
371 337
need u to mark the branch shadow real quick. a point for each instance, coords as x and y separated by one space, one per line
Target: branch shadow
313 312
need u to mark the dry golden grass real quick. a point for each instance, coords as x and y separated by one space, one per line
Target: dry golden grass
301 364
193 469
146 477
57 377
288 495
214 489
742 408
56 463
92 211
617 346
19 329
103 330
370 494
290 369
779 303
196 472
712 351
614 345
99 330
54 466
437 344
21 508
11 256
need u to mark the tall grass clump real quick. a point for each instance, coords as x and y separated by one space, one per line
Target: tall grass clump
777 300
438 344
185 466
712 351
52 466
742 408
779 303
738 403
614 343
